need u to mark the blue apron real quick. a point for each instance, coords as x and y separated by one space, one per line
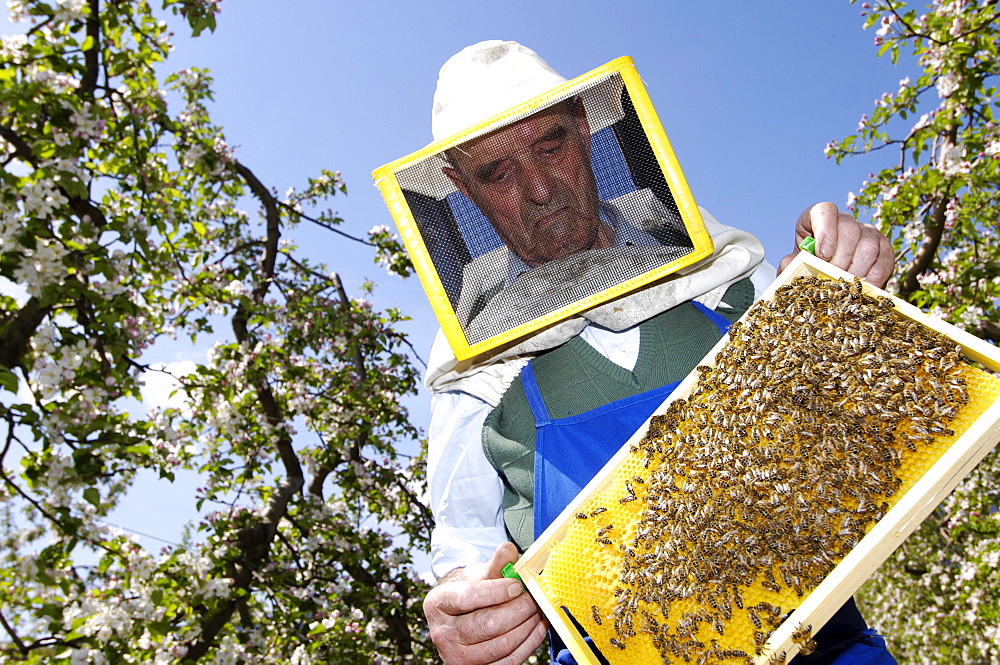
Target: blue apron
570 451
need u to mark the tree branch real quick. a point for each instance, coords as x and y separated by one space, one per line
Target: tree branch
933 231
316 485
13 636
16 334
990 331
272 217
21 148
254 540
91 56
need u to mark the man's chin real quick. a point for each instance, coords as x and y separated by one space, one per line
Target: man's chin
564 252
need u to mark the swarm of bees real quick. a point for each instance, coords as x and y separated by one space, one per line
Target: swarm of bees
782 457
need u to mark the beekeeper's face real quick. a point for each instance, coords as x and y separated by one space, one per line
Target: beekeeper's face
533 181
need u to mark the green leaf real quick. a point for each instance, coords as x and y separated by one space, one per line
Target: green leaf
92 496
8 380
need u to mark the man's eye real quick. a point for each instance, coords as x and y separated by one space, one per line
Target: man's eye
550 147
500 175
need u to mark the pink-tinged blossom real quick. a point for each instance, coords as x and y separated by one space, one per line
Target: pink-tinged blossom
886 25
86 124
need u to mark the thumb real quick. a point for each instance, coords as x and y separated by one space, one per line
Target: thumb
506 553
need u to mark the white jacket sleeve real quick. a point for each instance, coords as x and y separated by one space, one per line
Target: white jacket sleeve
466 492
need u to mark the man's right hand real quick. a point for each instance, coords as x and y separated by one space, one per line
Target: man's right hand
476 616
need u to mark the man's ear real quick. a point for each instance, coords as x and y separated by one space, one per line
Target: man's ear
456 179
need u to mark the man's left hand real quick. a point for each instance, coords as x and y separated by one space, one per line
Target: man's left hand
858 248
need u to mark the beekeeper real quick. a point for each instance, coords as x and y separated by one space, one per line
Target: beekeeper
512 442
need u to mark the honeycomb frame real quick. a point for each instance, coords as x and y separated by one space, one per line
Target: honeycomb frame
910 508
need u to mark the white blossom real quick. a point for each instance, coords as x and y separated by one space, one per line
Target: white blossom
237 288
216 587
42 198
70 10
192 156
12 47
86 124
41 266
300 656
18 10
947 84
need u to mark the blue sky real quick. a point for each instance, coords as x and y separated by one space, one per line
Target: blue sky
749 93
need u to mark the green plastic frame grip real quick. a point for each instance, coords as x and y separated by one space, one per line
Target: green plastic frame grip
809 245
508 571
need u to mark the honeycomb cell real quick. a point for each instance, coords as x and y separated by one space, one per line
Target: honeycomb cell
822 410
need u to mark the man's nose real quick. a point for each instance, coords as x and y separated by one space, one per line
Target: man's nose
537 183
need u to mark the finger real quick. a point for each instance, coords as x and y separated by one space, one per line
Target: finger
874 259
528 646
489 622
499 638
487 635
461 597
848 244
820 221
506 553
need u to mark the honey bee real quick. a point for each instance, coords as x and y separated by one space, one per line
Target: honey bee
801 633
597 511
759 638
595 612
616 643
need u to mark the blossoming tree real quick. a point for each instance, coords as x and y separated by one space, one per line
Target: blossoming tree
938 600
120 227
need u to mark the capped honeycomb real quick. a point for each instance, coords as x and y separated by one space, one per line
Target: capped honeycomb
822 410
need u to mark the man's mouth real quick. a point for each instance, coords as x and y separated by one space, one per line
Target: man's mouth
551 217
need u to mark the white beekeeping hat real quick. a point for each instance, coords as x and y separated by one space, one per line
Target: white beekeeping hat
485 79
